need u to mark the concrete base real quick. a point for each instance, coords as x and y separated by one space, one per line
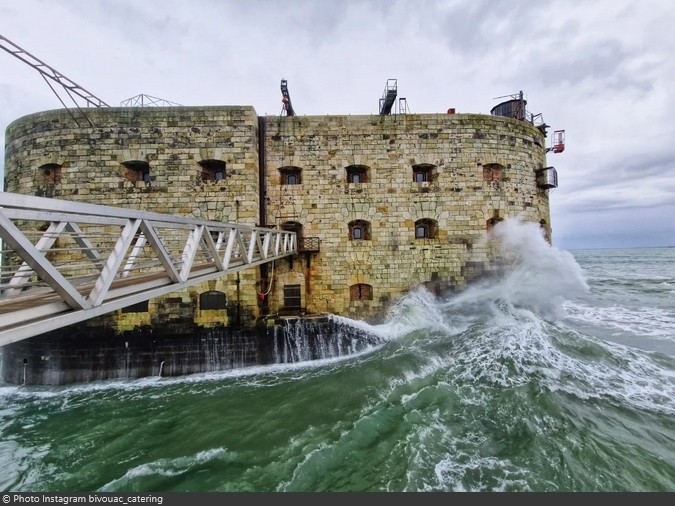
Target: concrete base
79 354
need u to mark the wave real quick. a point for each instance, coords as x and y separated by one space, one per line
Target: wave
495 388
652 322
161 473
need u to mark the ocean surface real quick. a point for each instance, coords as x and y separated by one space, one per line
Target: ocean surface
557 376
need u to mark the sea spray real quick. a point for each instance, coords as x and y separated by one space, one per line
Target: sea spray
533 274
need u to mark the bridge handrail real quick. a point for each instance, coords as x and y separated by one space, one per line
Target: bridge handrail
28 202
88 259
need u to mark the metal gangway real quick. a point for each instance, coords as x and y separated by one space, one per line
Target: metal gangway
63 262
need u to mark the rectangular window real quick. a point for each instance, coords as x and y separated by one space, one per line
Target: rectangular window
361 291
357 174
292 297
139 307
212 300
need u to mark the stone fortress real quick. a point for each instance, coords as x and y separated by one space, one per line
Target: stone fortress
381 203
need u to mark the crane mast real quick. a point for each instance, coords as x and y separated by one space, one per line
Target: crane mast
74 90
286 99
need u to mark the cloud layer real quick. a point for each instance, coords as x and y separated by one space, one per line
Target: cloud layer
600 70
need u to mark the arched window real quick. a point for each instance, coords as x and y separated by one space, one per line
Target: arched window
359 230
212 170
293 226
361 291
51 177
425 229
137 170
489 224
423 173
290 175
212 300
51 173
493 172
357 174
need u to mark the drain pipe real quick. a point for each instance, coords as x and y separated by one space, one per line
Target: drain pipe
262 167
236 203
262 193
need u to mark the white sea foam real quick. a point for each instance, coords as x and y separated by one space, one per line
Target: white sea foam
537 276
165 468
451 473
652 322
512 353
143 386
512 339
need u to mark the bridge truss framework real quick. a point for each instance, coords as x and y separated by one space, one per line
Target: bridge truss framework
64 262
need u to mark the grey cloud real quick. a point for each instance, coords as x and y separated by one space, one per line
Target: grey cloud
479 26
618 228
602 63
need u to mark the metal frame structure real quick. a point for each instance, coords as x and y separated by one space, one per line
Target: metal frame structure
143 100
286 99
64 262
71 87
388 97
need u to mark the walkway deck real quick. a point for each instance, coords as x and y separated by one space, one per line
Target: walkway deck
64 262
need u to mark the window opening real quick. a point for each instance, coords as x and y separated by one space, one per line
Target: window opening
137 170
359 230
291 175
357 174
423 173
425 229
212 300
361 291
139 307
489 224
492 172
292 297
212 170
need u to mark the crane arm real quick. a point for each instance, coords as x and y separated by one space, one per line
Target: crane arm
46 71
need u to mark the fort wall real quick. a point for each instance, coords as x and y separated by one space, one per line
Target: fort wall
456 174
381 204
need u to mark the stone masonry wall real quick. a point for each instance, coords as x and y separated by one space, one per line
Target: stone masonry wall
48 154
480 169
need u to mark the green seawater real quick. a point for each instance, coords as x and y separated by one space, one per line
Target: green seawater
531 384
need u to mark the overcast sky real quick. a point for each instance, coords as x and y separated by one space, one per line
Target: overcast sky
601 70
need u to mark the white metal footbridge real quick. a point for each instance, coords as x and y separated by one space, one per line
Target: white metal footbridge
64 262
